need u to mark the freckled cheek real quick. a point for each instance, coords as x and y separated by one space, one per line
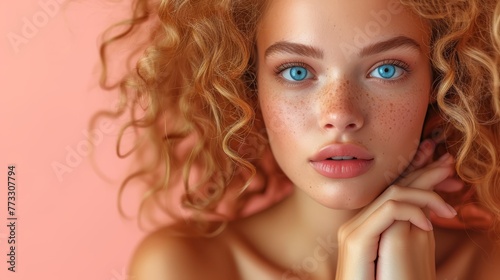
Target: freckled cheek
401 120
282 116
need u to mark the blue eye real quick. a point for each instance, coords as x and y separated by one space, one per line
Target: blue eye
296 73
387 72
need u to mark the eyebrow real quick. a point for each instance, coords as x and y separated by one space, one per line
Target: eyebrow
306 50
393 43
294 48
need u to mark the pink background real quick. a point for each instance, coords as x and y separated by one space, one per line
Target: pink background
68 224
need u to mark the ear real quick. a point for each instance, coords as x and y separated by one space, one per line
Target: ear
434 124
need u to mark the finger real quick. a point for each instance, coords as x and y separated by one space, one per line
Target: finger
422 157
397 228
471 216
421 198
431 178
402 234
423 180
445 161
450 185
417 197
391 211
363 241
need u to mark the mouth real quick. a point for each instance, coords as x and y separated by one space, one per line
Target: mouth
341 152
342 161
340 158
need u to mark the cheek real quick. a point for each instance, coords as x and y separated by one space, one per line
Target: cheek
402 119
281 116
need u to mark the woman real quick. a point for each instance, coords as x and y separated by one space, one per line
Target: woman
340 91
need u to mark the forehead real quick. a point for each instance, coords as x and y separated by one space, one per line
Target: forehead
339 23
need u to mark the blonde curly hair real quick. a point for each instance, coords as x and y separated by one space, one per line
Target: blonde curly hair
195 83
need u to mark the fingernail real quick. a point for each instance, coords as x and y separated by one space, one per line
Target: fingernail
428 144
452 210
430 224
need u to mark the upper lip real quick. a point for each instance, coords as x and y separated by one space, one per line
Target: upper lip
342 150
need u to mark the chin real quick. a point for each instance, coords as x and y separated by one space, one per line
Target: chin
345 197
349 204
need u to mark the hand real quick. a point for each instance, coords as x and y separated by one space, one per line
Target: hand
369 248
406 251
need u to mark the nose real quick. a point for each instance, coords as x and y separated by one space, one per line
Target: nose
341 109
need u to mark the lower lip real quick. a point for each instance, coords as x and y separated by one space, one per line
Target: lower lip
342 169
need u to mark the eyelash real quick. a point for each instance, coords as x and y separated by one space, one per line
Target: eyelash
398 63
278 70
282 67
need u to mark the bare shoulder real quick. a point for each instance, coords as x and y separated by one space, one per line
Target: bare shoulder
164 255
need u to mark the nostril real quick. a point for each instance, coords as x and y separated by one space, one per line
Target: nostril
351 125
349 118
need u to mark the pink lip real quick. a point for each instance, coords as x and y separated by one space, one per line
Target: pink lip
342 169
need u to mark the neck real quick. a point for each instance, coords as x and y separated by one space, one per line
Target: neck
309 221
311 233
295 233
312 218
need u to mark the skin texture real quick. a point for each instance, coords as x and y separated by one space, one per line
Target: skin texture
341 103
369 226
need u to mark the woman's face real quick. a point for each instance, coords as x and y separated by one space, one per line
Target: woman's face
343 88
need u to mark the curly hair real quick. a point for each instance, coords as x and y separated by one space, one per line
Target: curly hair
195 86
196 80
465 46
